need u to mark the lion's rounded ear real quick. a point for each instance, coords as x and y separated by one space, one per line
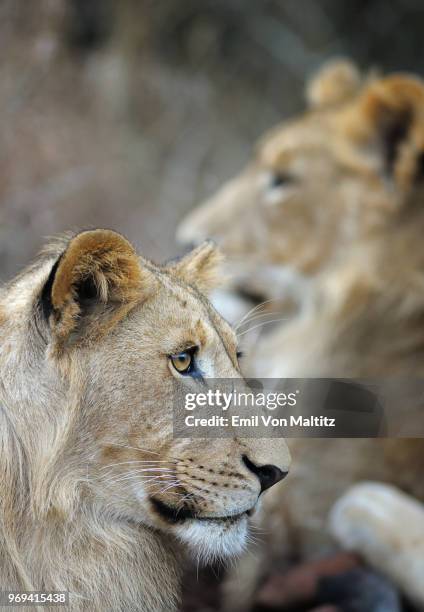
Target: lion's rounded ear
389 117
98 276
337 81
201 267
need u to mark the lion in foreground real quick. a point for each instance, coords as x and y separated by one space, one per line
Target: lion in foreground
97 498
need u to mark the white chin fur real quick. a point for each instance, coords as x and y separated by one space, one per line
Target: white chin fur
210 540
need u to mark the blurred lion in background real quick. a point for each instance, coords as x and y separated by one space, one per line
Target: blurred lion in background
317 183
332 209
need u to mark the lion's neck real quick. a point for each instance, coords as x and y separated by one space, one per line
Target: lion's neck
368 317
70 544
103 561
373 305
104 564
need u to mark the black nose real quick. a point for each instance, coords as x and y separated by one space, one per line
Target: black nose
268 475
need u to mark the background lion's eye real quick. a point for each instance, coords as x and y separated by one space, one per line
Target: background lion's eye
279 179
182 362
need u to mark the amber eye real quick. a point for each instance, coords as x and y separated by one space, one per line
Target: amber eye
183 362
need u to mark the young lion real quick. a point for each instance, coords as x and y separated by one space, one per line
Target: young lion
317 183
367 322
349 172
96 496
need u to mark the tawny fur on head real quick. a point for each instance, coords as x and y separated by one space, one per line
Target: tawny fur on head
340 172
97 496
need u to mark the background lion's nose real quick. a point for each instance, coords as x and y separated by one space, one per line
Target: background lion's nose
268 475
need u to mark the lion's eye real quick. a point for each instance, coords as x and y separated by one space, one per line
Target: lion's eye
279 179
183 362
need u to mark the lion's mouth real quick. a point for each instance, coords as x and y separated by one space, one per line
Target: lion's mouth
179 515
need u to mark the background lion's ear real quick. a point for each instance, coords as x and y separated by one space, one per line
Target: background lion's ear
336 82
390 117
97 278
201 267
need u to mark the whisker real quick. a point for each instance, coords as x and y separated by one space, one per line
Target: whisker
152 469
173 484
137 475
141 461
142 478
135 470
251 311
252 540
141 450
261 324
256 308
255 317
170 486
194 495
259 530
187 496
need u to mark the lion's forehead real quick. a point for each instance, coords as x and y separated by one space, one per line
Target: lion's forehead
195 311
291 139
179 317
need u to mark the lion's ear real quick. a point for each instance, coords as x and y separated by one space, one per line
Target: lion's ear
394 110
201 267
337 81
94 282
389 117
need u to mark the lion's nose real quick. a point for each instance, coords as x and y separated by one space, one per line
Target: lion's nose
268 475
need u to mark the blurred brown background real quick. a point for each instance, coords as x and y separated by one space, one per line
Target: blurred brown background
126 114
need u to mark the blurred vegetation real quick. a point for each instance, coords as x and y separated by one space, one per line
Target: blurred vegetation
126 114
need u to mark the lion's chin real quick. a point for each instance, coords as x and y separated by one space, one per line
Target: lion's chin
209 538
213 539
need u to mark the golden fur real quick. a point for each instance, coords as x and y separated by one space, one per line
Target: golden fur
349 215
96 496
338 173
